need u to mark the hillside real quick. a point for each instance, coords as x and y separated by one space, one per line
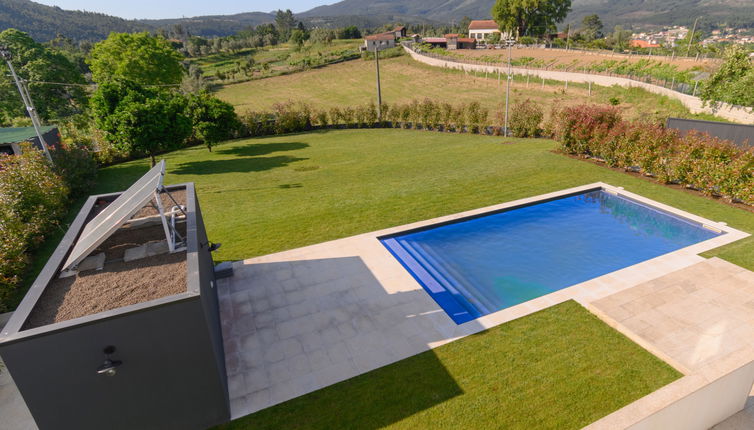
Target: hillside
213 25
45 22
613 12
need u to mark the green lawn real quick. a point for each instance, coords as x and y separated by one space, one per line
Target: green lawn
266 195
561 368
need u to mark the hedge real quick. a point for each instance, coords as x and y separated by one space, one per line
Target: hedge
525 118
33 199
713 166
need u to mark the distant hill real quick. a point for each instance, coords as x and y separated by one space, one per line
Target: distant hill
213 25
45 22
630 13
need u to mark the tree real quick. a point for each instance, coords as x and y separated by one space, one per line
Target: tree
285 23
38 65
298 37
591 27
620 37
463 26
140 120
323 35
138 57
213 120
351 32
733 82
530 17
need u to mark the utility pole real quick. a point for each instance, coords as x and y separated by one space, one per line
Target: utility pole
509 43
379 87
26 98
691 39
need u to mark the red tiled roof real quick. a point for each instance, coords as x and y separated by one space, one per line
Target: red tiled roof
452 36
466 40
381 36
484 24
637 43
435 39
399 28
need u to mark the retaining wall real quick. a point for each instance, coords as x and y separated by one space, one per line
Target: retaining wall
694 104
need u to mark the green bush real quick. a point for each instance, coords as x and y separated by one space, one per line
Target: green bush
525 119
212 119
32 201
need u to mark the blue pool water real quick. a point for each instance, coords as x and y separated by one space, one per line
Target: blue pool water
478 266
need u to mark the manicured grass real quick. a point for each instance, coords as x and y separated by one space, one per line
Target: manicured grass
266 195
561 368
403 79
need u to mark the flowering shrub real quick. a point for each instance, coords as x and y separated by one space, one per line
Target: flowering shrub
32 200
710 165
77 167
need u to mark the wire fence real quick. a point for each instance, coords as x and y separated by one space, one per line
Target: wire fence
687 88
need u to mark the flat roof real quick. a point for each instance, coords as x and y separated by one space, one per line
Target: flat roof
21 134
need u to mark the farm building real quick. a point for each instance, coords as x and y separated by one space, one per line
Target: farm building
454 41
399 32
436 42
379 42
482 29
11 138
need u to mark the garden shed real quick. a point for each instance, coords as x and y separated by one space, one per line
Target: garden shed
12 137
121 329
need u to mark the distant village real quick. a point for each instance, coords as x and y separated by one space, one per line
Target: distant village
670 37
486 34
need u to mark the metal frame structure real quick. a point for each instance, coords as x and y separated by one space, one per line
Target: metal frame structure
119 212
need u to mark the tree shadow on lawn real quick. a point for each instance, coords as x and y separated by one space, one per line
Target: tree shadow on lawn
241 165
257 149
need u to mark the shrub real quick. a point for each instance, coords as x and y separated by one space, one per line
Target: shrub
576 126
711 165
525 119
290 118
32 200
77 168
258 124
321 118
476 117
336 116
349 116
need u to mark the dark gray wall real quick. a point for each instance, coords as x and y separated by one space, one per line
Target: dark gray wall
173 372
167 380
741 135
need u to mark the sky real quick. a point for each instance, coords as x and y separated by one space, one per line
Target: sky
138 9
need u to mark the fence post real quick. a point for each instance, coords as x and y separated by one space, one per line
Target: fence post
543 83
590 88
527 80
566 85
696 83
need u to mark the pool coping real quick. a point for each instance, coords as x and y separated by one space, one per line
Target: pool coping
453 304
573 292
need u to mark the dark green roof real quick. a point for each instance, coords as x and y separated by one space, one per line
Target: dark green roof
20 134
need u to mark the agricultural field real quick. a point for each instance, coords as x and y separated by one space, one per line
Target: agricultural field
403 80
561 57
276 60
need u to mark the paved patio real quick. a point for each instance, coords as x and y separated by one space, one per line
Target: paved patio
699 320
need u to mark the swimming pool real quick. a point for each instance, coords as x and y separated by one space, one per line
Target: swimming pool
476 266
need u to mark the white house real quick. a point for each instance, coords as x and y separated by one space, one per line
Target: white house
378 42
482 29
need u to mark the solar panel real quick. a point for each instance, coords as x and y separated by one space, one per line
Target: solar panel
116 214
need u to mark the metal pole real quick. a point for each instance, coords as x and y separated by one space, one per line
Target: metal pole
691 39
379 86
510 43
26 98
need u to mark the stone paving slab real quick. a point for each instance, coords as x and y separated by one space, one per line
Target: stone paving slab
701 321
